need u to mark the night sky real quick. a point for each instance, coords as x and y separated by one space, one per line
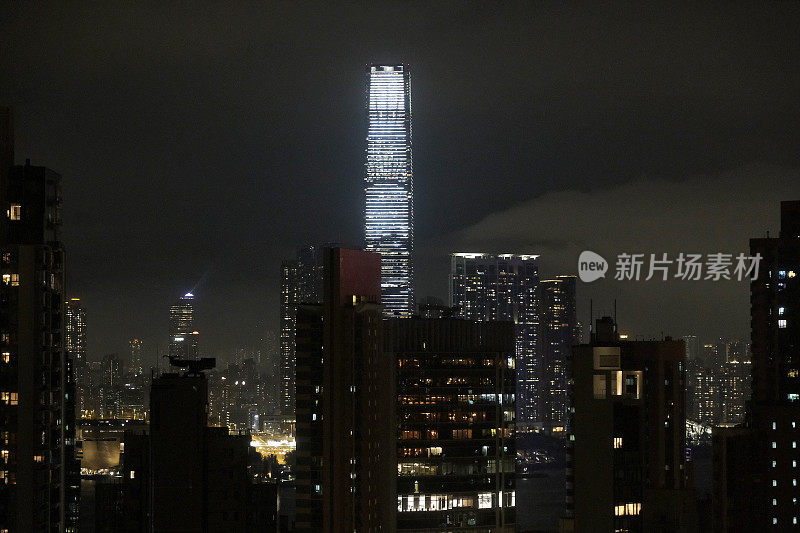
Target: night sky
200 144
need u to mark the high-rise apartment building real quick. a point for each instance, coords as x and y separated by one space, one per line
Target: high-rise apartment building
389 183
488 287
455 416
75 340
558 332
760 490
183 338
37 399
301 283
626 458
345 403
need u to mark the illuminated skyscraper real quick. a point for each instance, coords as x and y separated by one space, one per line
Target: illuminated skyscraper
182 335
486 287
301 283
75 337
136 363
558 332
389 215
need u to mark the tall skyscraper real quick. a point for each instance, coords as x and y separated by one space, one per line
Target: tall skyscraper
346 431
487 287
183 338
626 459
761 490
36 401
455 415
75 339
389 214
136 363
301 283
558 332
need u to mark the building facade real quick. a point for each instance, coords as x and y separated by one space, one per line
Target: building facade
301 283
455 415
389 184
75 339
183 338
489 287
626 456
37 432
345 403
558 332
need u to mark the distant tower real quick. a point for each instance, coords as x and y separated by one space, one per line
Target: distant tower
137 366
182 335
487 287
301 283
75 337
389 215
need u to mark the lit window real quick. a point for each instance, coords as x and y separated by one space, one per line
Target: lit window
790 274
774 521
781 310
774 464
774 425
774 445
782 323
15 212
485 500
6 357
774 482
774 501
617 442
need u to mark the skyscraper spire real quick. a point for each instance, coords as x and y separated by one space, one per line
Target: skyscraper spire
389 214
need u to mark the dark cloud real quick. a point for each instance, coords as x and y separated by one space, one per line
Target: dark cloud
204 140
700 214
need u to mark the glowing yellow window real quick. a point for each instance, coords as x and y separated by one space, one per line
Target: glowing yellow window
15 212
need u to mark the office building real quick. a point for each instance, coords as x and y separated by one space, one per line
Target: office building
183 337
488 287
558 332
345 403
389 184
626 457
455 415
37 399
301 283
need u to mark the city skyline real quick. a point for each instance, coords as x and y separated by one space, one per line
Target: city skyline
509 135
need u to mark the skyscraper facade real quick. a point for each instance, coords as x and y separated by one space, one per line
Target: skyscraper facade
626 455
37 430
455 415
75 339
558 332
488 287
389 212
183 338
301 283
136 361
346 427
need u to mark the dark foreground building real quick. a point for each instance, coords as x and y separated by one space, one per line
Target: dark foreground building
626 462
345 402
39 483
757 466
455 413
185 476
